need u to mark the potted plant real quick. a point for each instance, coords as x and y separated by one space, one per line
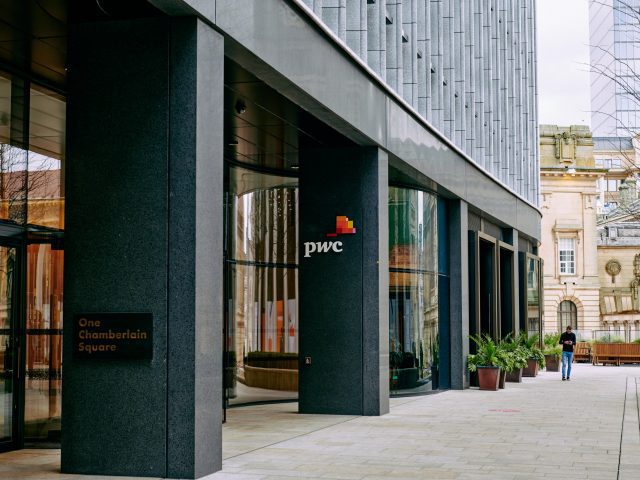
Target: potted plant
506 361
552 352
519 356
485 361
535 356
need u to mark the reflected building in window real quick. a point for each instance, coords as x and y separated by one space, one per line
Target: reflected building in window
413 291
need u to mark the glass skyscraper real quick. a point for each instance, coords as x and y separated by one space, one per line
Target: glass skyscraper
614 37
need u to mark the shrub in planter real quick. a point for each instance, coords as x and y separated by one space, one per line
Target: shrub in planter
552 352
485 362
552 357
518 358
535 358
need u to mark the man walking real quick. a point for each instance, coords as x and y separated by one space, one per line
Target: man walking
567 340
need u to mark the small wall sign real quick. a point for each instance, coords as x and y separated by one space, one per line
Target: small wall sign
113 335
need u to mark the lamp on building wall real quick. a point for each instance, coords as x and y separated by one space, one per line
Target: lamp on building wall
241 107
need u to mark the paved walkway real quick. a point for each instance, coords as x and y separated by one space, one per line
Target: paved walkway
543 428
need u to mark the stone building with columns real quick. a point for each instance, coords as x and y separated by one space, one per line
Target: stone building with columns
590 232
568 186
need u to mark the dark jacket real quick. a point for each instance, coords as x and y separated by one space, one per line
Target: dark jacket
567 336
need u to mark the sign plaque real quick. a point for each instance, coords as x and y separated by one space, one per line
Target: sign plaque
113 335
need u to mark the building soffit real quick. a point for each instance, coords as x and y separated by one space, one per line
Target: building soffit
279 21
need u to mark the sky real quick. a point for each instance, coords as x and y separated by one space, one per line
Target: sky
563 58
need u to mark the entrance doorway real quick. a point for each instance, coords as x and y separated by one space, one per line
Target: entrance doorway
9 349
30 342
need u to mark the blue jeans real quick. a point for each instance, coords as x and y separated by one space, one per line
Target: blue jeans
567 358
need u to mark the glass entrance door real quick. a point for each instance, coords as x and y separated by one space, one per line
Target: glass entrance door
43 344
8 349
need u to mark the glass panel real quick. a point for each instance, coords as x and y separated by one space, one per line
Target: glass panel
46 159
7 263
413 236
261 350
43 392
13 159
533 296
413 333
264 217
262 335
413 292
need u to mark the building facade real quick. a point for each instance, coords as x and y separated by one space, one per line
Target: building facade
619 268
264 200
569 179
616 155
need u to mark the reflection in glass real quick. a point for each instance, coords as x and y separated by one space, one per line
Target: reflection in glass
534 325
46 159
13 159
261 346
44 343
7 360
413 292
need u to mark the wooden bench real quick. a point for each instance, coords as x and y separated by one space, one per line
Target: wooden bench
605 353
629 353
582 352
615 353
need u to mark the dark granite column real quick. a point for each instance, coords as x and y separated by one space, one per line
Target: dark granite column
344 292
511 236
459 291
144 193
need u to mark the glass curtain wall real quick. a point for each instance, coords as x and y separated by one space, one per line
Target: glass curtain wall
413 292
261 324
534 324
32 140
7 357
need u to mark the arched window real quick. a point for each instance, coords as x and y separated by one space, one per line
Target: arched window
567 315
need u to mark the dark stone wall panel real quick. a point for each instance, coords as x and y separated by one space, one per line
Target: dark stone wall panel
340 324
116 198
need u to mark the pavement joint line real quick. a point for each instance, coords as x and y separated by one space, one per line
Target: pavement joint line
291 438
624 408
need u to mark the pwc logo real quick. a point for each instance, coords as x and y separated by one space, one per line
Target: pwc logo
344 226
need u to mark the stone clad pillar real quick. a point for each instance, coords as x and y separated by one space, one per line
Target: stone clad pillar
459 291
344 282
144 195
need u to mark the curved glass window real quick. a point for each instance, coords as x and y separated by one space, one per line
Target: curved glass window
413 292
261 324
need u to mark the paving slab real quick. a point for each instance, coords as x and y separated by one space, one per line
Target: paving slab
542 428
